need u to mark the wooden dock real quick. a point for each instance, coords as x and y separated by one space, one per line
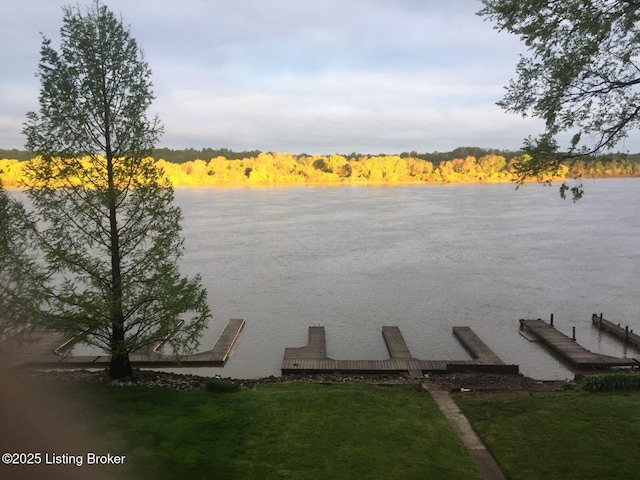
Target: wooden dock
396 346
32 346
615 330
312 358
315 349
42 349
476 347
571 351
222 349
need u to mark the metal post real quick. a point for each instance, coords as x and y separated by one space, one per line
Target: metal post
552 319
574 334
626 333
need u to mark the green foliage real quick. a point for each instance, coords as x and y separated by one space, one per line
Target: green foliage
610 382
572 435
20 274
190 154
16 154
221 386
580 77
109 230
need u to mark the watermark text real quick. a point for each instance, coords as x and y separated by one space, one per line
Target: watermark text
52 458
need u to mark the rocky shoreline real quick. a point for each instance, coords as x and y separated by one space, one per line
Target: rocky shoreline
188 382
461 382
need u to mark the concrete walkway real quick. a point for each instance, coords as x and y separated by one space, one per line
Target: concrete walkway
482 458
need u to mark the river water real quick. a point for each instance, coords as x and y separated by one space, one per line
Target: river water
423 257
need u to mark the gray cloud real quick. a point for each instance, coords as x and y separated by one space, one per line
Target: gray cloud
317 76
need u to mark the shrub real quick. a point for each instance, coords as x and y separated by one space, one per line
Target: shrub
611 382
220 386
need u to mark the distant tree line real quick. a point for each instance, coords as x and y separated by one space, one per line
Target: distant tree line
461 152
16 154
190 154
274 168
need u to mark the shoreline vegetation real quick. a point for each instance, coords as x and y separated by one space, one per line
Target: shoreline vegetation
224 168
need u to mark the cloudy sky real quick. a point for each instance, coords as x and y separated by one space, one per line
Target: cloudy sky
312 76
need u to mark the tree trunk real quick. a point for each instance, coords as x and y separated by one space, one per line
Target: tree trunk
120 365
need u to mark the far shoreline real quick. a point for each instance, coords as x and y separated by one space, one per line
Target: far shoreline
553 182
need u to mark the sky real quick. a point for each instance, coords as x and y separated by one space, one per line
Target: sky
312 76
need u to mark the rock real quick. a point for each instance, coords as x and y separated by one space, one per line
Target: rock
461 382
150 378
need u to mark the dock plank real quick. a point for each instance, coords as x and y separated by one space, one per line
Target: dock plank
312 357
570 350
476 347
37 348
32 345
394 340
227 340
616 331
316 347
221 350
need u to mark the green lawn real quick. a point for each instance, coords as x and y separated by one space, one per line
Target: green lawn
573 435
326 431
279 431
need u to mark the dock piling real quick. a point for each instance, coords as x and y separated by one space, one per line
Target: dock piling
624 334
571 351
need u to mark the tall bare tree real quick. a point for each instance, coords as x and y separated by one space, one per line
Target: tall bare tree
110 231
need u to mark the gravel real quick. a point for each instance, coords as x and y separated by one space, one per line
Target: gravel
465 383
149 378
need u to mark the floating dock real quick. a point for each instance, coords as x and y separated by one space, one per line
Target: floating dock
476 347
32 346
568 349
222 349
42 349
312 358
615 330
396 346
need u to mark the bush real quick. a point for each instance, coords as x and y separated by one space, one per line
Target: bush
221 386
612 382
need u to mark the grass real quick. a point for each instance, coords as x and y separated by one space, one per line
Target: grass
279 431
573 435
345 431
